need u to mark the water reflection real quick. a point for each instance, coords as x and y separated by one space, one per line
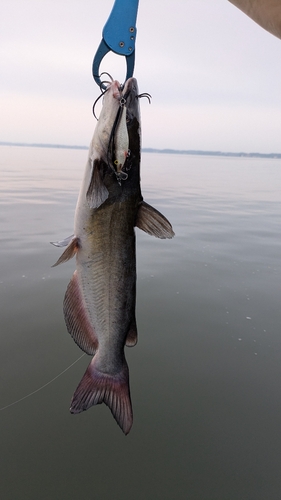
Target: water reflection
205 374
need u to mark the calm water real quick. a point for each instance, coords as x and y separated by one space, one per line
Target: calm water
206 373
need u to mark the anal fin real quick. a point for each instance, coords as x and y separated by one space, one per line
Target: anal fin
153 222
76 318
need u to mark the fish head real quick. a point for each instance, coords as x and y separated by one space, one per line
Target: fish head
118 128
116 145
111 136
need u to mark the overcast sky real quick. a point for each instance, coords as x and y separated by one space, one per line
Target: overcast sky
214 75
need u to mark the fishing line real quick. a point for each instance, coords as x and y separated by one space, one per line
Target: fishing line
43 386
102 91
94 105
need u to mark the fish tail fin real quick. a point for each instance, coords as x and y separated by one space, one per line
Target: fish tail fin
97 387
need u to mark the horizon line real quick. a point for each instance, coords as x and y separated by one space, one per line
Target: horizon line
150 150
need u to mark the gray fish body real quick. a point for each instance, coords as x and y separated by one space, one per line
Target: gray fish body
99 304
106 270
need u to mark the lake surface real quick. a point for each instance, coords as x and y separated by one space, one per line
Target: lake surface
205 375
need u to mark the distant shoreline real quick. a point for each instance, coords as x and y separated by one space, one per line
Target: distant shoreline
153 150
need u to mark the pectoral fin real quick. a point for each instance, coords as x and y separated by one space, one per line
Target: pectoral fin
69 252
76 318
153 222
97 192
62 243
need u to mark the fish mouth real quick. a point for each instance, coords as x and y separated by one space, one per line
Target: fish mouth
126 95
131 85
119 92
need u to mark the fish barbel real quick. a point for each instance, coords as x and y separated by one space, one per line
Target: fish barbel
99 304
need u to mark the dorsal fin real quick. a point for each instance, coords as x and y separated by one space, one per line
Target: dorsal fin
153 222
69 252
97 192
76 318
